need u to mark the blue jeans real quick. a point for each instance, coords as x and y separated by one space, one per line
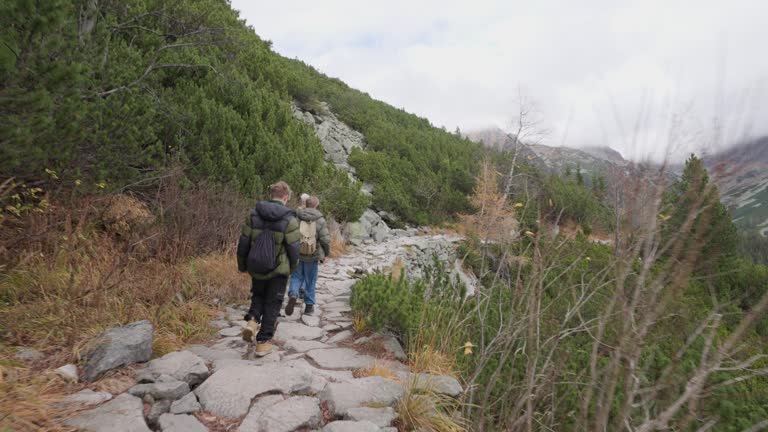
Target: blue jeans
305 273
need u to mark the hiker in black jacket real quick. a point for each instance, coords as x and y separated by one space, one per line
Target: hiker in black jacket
269 251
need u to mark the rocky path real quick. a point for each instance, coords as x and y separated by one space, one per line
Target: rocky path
315 381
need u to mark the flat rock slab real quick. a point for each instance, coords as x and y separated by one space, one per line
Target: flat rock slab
186 405
331 327
181 423
343 325
340 358
285 416
182 365
219 323
392 345
340 397
231 331
381 417
229 391
259 407
329 375
337 306
125 413
86 397
341 336
258 361
304 346
310 320
342 287
211 354
161 390
289 330
118 347
351 426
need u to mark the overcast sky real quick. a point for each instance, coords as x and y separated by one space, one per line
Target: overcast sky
602 72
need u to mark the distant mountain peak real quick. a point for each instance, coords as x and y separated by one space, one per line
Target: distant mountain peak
604 152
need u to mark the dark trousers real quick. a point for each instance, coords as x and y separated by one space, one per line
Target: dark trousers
266 300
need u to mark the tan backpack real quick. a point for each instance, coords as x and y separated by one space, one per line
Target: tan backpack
308 232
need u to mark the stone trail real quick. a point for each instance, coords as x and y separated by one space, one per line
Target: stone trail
297 388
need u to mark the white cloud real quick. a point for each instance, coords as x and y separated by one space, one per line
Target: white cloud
606 72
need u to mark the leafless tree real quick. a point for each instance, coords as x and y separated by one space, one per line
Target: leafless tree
528 129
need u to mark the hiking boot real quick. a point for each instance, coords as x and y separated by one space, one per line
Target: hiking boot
309 309
289 307
250 330
263 348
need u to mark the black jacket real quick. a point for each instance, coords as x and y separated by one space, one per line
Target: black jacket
279 219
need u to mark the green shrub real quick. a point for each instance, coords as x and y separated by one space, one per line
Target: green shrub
388 304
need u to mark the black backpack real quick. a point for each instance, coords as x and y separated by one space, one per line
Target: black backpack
262 258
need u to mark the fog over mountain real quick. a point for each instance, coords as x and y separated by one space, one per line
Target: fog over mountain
603 73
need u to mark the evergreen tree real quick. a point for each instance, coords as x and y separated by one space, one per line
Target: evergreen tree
693 202
579 176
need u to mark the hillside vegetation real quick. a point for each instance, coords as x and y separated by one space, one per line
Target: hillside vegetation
665 329
116 93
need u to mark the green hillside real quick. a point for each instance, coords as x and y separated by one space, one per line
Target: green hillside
122 92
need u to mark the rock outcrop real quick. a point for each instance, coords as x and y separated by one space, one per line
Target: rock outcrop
337 138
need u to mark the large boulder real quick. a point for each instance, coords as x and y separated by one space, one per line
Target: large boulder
356 233
182 365
125 413
118 347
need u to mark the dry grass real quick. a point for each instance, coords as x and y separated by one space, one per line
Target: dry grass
53 306
421 409
28 399
70 277
396 271
338 243
431 360
359 325
378 368
59 315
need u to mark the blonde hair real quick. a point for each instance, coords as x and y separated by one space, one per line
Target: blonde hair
313 202
280 190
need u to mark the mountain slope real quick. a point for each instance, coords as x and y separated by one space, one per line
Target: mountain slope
141 87
741 174
594 161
